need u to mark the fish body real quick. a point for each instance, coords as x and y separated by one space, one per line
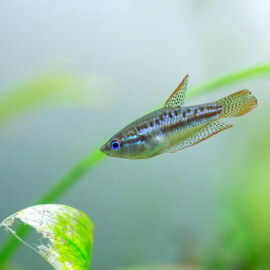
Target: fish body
174 127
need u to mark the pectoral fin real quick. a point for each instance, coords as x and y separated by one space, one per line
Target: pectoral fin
200 136
177 98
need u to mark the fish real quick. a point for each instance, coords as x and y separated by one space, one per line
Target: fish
174 127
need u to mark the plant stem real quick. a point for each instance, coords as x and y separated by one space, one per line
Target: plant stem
67 181
88 162
61 186
209 86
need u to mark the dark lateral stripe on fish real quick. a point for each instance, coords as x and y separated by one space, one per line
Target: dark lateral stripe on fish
205 112
192 118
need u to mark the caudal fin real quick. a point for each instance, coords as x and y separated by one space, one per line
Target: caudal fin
238 104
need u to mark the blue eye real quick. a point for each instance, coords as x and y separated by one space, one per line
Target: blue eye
115 145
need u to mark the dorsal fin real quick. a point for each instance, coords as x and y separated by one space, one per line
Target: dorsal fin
177 98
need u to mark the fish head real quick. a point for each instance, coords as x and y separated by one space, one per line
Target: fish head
128 144
114 147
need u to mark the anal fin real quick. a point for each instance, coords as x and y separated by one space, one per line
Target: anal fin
200 136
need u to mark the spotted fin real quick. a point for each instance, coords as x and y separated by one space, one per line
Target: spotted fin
177 98
238 104
200 136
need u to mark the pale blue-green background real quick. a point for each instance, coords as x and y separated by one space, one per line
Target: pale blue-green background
141 209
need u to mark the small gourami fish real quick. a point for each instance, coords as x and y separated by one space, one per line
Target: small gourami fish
174 127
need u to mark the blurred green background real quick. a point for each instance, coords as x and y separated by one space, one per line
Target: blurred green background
74 72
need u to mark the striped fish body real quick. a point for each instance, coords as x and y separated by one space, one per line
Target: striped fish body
162 129
174 127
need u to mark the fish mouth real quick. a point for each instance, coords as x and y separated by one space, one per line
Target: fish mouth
102 148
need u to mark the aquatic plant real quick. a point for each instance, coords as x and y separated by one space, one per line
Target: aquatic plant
65 234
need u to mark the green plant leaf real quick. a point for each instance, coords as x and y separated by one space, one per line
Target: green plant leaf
65 234
242 231
51 89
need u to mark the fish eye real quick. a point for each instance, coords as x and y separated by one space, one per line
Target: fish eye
115 145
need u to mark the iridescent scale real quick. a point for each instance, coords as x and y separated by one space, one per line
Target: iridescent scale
175 124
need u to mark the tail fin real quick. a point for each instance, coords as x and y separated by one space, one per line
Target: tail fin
238 104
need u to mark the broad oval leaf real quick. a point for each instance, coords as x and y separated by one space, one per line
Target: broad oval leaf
66 234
